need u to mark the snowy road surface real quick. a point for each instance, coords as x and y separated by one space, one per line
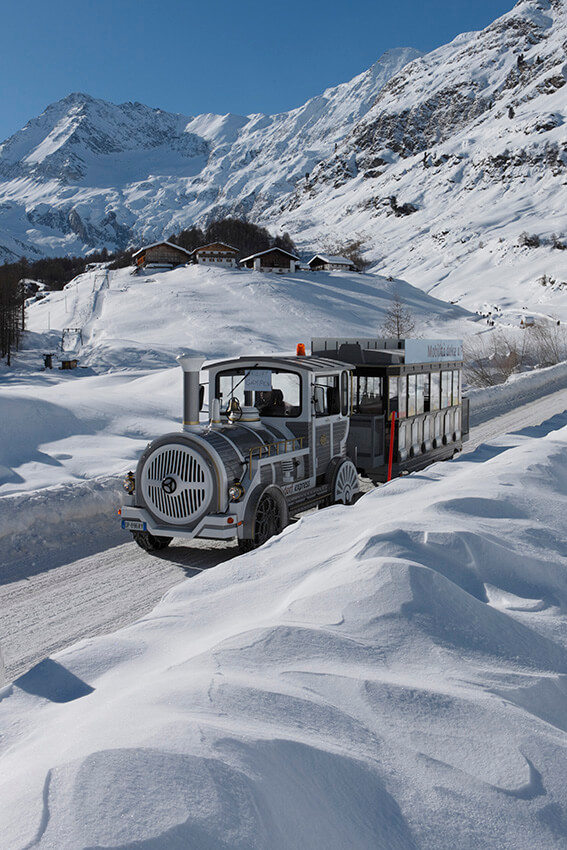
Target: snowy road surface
533 413
47 611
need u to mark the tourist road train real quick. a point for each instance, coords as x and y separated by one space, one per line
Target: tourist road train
288 433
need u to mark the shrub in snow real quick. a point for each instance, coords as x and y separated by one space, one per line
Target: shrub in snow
529 240
492 359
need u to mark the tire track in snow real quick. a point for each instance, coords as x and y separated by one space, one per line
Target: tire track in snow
49 611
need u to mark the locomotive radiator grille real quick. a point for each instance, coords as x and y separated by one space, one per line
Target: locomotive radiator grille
176 484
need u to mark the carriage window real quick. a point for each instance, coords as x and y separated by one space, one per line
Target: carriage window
456 386
419 393
274 392
426 393
412 389
403 401
344 393
393 394
446 388
369 394
435 391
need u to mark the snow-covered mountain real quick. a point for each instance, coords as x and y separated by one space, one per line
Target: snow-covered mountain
448 168
459 168
87 173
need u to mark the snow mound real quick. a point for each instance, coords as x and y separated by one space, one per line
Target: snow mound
387 675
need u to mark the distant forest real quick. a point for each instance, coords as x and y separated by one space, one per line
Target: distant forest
248 238
12 299
56 272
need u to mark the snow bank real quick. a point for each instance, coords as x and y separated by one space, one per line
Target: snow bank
79 516
387 675
490 402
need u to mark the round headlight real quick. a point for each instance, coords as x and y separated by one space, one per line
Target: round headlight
236 491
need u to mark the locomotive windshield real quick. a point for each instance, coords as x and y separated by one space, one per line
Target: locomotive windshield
275 392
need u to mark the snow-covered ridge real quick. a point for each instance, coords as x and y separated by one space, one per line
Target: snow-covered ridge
462 152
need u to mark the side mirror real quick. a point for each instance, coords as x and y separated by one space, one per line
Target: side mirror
319 400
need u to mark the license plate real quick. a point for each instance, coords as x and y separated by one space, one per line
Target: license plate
133 525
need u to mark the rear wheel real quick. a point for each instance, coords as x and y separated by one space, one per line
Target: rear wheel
344 484
149 542
270 517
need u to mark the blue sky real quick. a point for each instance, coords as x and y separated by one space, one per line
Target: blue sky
252 56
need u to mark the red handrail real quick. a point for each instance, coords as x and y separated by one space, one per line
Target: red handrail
391 454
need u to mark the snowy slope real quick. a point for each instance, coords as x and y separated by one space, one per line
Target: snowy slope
348 685
389 675
96 420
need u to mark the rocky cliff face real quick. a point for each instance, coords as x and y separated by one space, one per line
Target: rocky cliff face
463 151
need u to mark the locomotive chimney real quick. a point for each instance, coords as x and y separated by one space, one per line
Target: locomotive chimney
191 367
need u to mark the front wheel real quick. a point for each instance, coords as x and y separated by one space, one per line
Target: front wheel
149 542
269 517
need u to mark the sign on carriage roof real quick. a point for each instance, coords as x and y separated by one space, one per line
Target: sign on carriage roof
433 350
407 350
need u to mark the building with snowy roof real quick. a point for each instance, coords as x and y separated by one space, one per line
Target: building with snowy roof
273 260
216 253
328 262
161 254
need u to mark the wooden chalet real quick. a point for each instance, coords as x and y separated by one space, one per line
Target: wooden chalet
273 260
68 363
161 254
215 254
328 262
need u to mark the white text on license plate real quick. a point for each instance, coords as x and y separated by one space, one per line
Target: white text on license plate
133 525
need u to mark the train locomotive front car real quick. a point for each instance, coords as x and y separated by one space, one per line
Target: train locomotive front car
275 444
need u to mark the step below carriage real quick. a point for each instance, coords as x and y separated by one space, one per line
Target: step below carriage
289 433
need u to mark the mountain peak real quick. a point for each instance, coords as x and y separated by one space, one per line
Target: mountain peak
75 97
